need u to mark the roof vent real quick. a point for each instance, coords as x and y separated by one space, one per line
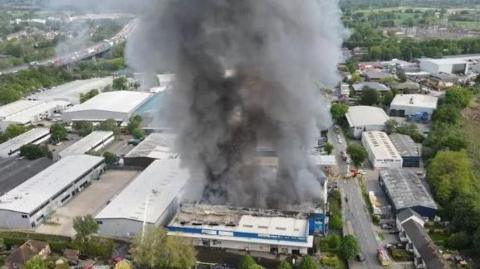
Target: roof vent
411 100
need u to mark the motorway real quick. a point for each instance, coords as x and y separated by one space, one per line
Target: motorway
355 210
82 54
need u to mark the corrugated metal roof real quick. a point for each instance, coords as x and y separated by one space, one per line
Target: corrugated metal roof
115 101
87 143
358 116
23 139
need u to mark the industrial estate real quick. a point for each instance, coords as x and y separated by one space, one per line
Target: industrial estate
93 172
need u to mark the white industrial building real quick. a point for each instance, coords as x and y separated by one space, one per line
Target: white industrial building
25 112
117 105
245 229
12 147
156 146
366 118
31 202
95 141
381 151
445 65
152 198
413 104
70 92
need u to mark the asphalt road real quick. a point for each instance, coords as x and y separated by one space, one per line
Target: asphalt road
14 172
355 210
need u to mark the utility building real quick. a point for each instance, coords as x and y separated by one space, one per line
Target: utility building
413 105
258 230
156 146
93 142
408 149
405 190
30 112
31 202
151 199
381 151
445 65
12 147
366 118
117 105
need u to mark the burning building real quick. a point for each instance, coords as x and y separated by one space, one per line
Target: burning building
278 53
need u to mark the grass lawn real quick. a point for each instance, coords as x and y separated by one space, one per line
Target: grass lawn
439 238
400 255
471 126
331 260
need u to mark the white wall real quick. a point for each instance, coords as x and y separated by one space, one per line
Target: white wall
358 130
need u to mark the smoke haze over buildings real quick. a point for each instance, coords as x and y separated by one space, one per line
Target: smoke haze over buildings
278 53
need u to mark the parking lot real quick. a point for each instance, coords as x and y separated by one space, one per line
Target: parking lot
88 202
14 171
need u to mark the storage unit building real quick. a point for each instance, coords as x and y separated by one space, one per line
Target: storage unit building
381 151
255 230
413 105
156 146
366 118
405 189
31 202
117 105
408 149
152 198
445 65
95 141
38 111
12 147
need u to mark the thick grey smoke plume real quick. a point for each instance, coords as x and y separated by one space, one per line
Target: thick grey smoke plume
248 75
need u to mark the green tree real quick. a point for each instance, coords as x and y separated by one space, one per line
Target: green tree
458 97
447 113
369 97
33 152
308 263
57 133
285 265
88 95
14 130
338 111
138 133
387 98
402 76
328 148
84 227
155 250
391 126
35 263
349 247
357 153
120 84
334 241
109 125
335 222
110 158
247 262
460 241
449 173
83 128
134 123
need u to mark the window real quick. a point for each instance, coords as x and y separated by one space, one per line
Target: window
24 216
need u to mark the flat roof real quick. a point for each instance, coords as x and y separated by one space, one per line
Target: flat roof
150 194
40 188
115 101
358 116
415 100
406 189
444 61
372 85
15 107
155 146
26 115
23 139
380 145
71 91
87 143
231 221
405 145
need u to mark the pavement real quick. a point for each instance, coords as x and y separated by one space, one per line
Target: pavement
14 171
89 202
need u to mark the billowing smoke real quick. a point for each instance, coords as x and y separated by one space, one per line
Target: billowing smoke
249 75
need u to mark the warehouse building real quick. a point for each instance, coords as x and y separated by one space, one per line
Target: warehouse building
16 107
71 91
152 198
381 151
445 65
366 118
95 141
408 149
117 105
379 87
413 105
405 190
31 202
156 146
12 147
256 230
28 113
